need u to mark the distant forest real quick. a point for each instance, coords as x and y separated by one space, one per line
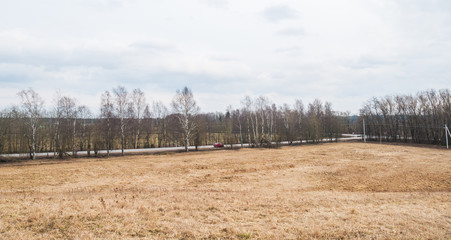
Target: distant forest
419 118
127 121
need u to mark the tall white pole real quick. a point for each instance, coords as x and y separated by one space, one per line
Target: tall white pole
364 133
446 133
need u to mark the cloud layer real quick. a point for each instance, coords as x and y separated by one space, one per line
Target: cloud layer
344 52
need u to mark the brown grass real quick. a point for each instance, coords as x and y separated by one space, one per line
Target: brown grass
329 191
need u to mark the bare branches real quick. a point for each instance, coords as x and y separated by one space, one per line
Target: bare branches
125 118
408 118
121 99
160 113
32 105
106 114
137 106
184 105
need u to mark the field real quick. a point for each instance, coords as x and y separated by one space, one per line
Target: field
327 191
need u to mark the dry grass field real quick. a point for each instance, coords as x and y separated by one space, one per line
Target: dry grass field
327 191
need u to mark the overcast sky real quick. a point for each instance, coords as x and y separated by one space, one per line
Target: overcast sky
344 52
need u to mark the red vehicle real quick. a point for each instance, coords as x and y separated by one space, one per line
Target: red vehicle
218 145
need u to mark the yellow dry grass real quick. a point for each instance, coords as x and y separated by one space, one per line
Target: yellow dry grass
328 191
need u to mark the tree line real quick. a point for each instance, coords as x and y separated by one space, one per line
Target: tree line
127 121
418 118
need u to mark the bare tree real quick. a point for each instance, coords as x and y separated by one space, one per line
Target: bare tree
314 125
287 116
12 128
237 115
160 113
106 113
272 118
85 136
186 109
70 115
4 127
228 127
261 104
57 116
418 118
64 125
121 99
147 126
246 106
32 105
300 112
138 100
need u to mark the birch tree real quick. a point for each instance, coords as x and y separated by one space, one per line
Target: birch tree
237 115
121 99
32 105
299 110
106 113
64 126
160 113
138 100
185 107
287 119
70 112
57 116
246 106
85 136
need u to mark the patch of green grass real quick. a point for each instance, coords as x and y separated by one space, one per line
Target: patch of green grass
244 235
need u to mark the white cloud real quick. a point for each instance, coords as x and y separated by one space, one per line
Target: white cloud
290 51
153 46
293 32
216 3
279 12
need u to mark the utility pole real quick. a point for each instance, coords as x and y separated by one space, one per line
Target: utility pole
447 133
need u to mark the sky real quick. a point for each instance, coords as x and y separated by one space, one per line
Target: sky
344 52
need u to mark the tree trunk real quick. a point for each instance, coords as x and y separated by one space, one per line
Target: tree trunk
186 142
74 153
122 136
33 141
